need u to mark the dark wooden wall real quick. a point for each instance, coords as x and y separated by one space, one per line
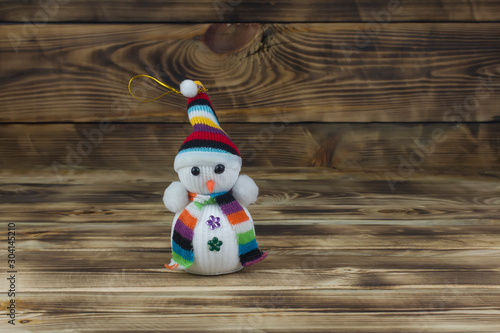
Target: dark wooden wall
354 83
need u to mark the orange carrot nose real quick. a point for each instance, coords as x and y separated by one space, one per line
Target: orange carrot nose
210 185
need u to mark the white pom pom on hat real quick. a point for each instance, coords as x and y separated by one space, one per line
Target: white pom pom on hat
189 88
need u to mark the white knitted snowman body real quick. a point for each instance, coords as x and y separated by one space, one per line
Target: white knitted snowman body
226 259
215 241
213 231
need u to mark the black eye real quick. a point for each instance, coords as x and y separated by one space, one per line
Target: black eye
219 168
195 171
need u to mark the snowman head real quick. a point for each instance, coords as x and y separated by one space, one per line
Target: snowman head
208 161
208 179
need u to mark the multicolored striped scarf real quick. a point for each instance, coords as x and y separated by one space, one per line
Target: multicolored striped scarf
182 239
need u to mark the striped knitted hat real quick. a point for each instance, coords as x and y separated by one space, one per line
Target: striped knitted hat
208 145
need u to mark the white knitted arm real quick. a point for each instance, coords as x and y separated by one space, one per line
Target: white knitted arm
245 190
176 197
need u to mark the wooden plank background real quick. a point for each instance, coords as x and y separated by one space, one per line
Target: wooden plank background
246 11
469 147
370 127
314 72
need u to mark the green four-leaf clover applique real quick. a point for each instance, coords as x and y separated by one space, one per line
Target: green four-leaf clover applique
214 244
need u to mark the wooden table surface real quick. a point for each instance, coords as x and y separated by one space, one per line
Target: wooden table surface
345 255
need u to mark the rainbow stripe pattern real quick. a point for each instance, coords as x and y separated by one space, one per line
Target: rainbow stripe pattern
207 134
182 239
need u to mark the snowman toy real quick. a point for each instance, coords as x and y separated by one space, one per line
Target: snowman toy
212 231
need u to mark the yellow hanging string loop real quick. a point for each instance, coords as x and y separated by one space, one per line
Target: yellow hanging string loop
172 90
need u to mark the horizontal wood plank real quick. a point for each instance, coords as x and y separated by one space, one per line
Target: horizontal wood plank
342 199
349 310
255 73
124 177
247 11
240 301
90 271
396 150
444 247
271 321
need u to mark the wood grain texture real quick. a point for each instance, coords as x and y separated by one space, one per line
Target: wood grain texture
102 176
321 281
340 301
290 310
272 321
343 252
311 72
444 246
247 11
341 199
408 310
100 271
378 239
397 150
